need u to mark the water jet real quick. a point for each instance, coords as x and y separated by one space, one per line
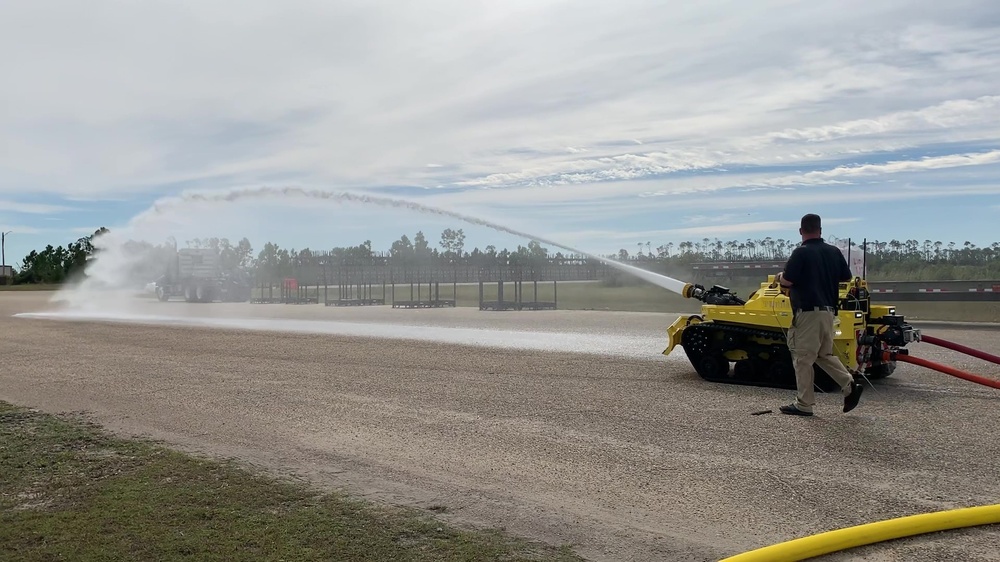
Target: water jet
104 261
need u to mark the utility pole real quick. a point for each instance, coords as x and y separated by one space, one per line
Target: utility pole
3 254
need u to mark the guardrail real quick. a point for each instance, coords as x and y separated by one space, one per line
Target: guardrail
931 291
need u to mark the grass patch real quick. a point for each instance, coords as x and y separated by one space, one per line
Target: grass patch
30 287
71 492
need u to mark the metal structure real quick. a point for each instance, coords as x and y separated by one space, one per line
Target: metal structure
361 294
294 293
433 299
518 303
517 275
265 293
380 268
290 291
354 283
6 272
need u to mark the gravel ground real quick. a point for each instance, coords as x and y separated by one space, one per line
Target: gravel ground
550 434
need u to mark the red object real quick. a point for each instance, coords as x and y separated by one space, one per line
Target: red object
959 347
944 369
291 284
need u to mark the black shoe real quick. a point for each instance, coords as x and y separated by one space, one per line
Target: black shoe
793 411
851 400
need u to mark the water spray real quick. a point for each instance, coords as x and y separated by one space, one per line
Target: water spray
234 195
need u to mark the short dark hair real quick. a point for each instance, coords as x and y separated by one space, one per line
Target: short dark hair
811 223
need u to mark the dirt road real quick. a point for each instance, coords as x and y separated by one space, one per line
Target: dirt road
623 452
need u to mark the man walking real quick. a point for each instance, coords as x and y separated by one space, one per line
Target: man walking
812 275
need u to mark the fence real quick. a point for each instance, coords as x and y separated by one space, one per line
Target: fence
354 273
361 274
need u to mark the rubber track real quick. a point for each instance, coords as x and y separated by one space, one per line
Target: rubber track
758 377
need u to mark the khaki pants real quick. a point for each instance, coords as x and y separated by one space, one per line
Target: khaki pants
810 340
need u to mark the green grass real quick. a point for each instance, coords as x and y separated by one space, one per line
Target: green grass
30 287
69 491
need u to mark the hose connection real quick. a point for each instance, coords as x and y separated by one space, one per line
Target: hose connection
716 295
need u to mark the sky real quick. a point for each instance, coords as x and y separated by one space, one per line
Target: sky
599 125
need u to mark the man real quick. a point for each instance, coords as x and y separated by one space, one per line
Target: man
811 276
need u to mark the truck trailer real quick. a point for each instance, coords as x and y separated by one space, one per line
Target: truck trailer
198 275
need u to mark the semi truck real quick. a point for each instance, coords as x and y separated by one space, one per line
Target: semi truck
199 275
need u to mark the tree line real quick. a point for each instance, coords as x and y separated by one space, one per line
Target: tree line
893 259
55 264
886 259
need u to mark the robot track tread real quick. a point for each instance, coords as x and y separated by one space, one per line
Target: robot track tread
765 364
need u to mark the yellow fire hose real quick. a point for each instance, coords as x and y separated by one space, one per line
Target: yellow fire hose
870 533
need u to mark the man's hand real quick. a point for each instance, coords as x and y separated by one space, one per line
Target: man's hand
783 285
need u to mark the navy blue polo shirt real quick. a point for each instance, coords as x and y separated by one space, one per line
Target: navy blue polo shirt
815 270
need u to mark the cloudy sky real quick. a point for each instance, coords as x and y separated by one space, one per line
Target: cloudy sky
595 123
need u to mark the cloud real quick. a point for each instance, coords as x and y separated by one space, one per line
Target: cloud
571 113
705 185
10 206
369 95
901 166
950 114
718 218
982 115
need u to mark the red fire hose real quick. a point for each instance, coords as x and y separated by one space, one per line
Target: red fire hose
944 369
959 347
